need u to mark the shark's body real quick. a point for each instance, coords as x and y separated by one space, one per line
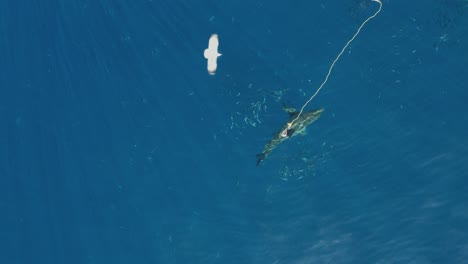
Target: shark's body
298 127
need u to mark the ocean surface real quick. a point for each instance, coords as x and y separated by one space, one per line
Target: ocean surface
117 146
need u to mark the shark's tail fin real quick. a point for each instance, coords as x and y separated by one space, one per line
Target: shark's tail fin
260 158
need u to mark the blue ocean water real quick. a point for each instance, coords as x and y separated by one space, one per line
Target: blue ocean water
116 146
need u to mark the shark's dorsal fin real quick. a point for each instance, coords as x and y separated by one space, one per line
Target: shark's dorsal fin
291 132
290 110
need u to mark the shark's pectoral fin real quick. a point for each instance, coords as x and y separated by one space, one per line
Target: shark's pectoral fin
293 114
290 110
319 111
303 132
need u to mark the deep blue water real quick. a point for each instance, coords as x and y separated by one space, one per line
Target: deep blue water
116 146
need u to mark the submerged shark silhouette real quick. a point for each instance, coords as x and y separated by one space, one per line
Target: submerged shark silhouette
298 127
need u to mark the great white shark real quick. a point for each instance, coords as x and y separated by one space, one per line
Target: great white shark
298 127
